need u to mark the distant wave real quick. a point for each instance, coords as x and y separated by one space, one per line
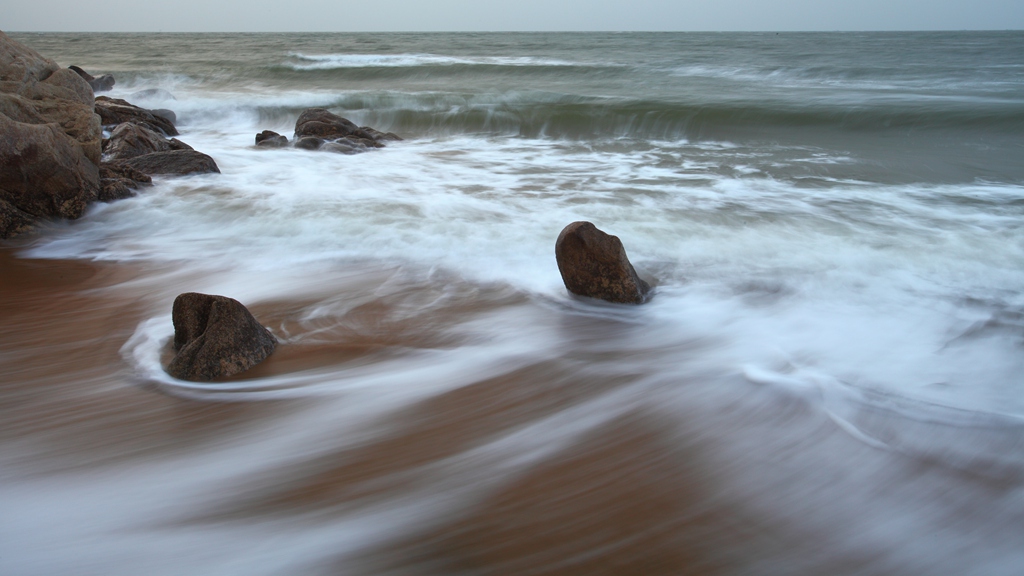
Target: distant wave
550 115
301 61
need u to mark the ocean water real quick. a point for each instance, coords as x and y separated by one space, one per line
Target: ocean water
829 377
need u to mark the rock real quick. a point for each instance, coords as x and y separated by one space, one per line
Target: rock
309 143
101 84
179 145
118 181
12 220
43 172
271 139
114 111
594 264
344 146
214 337
179 162
50 139
166 114
323 124
129 140
379 136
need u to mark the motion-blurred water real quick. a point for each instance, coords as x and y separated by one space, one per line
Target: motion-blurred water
827 380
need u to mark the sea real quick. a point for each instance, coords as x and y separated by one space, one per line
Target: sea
827 379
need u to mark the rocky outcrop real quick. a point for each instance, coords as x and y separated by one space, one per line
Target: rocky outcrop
49 140
321 129
101 84
215 336
180 162
594 264
114 111
53 158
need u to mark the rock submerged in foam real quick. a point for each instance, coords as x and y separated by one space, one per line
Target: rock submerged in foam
321 129
215 336
594 264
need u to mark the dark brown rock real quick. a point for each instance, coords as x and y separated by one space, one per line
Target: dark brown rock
50 139
594 264
43 172
114 111
309 143
12 220
321 123
379 136
214 337
179 162
271 139
118 181
101 84
129 140
166 114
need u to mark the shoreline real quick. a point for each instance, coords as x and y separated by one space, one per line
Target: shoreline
67 398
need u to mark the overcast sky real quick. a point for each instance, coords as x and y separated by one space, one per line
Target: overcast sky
487 15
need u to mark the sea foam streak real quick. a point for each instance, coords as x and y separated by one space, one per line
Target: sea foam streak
332 61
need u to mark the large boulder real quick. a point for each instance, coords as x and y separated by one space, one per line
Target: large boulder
594 264
215 336
114 111
180 162
50 139
43 173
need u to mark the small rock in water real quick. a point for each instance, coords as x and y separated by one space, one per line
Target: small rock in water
215 336
271 139
101 84
594 264
309 143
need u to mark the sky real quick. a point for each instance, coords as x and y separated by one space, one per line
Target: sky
507 15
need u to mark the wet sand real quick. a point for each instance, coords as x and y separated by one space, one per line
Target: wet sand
579 463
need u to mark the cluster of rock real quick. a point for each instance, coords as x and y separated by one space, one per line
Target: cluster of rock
54 160
320 129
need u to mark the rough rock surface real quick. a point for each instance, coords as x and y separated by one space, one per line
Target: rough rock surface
118 181
320 129
43 172
271 139
50 139
12 220
172 162
594 264
114 111
309 143
322 123
215 336
130 140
